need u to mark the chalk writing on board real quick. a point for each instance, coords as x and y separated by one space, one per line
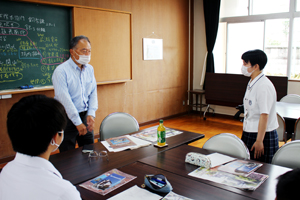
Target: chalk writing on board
30 47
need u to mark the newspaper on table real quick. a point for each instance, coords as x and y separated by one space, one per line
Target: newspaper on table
119 142
150 134
249 182
107 182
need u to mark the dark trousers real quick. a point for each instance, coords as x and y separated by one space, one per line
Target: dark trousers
270 145
71 135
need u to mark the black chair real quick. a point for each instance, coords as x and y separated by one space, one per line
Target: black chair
241 110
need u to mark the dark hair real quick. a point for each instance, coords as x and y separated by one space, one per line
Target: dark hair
76 39
33 121
256 57
288 185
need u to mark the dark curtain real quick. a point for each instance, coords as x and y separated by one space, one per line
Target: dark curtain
211 15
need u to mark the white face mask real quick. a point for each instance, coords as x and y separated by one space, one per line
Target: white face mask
83 59
245 71
54 143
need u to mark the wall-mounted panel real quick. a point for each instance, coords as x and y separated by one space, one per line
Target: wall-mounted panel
110 36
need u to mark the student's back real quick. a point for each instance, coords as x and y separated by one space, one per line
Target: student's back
34 178
35 126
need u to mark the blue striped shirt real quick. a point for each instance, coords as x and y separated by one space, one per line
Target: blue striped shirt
76 89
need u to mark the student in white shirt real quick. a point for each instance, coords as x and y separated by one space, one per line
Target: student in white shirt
35 125
260 121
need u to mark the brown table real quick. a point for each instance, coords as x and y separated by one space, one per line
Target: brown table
75 166
181 185
173 161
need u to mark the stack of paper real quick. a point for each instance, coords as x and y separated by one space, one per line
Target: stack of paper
236 173
219 159
108 181
173 196
240 167
249 182
124 142
136 193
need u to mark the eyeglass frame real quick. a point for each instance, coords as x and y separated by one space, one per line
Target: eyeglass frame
101 154
84 51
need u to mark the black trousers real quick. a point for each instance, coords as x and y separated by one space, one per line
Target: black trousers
71 135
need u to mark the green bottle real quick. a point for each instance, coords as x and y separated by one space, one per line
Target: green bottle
161 134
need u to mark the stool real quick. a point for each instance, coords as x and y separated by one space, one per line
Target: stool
198 93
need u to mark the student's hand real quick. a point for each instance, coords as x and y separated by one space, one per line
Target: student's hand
81 129
90 122
258 149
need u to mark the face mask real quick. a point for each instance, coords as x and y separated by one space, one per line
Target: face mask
54 143
245 71
83 59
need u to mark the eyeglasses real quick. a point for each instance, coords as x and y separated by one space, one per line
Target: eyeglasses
85 51
101 154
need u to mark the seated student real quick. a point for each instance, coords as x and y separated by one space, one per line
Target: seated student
288 185
35 125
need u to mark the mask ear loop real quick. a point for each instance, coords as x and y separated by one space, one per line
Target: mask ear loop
76 52
54 144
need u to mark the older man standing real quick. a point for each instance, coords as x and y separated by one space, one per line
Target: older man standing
75 87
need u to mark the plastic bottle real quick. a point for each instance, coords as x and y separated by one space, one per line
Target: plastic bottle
161 134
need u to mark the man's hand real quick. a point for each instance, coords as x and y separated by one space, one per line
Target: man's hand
90 122
258 149
81 129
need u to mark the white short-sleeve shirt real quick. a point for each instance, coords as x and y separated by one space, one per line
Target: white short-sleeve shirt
34 178
260 97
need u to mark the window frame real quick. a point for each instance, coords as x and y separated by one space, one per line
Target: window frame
291 15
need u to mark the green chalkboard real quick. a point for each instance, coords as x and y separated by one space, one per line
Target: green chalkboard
34 40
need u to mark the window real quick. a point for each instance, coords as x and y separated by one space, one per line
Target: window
269 25
269 6
241 38
220 49
295 64
298 5
276 48
231 8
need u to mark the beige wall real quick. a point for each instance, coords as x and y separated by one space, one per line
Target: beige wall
159 87
199 55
